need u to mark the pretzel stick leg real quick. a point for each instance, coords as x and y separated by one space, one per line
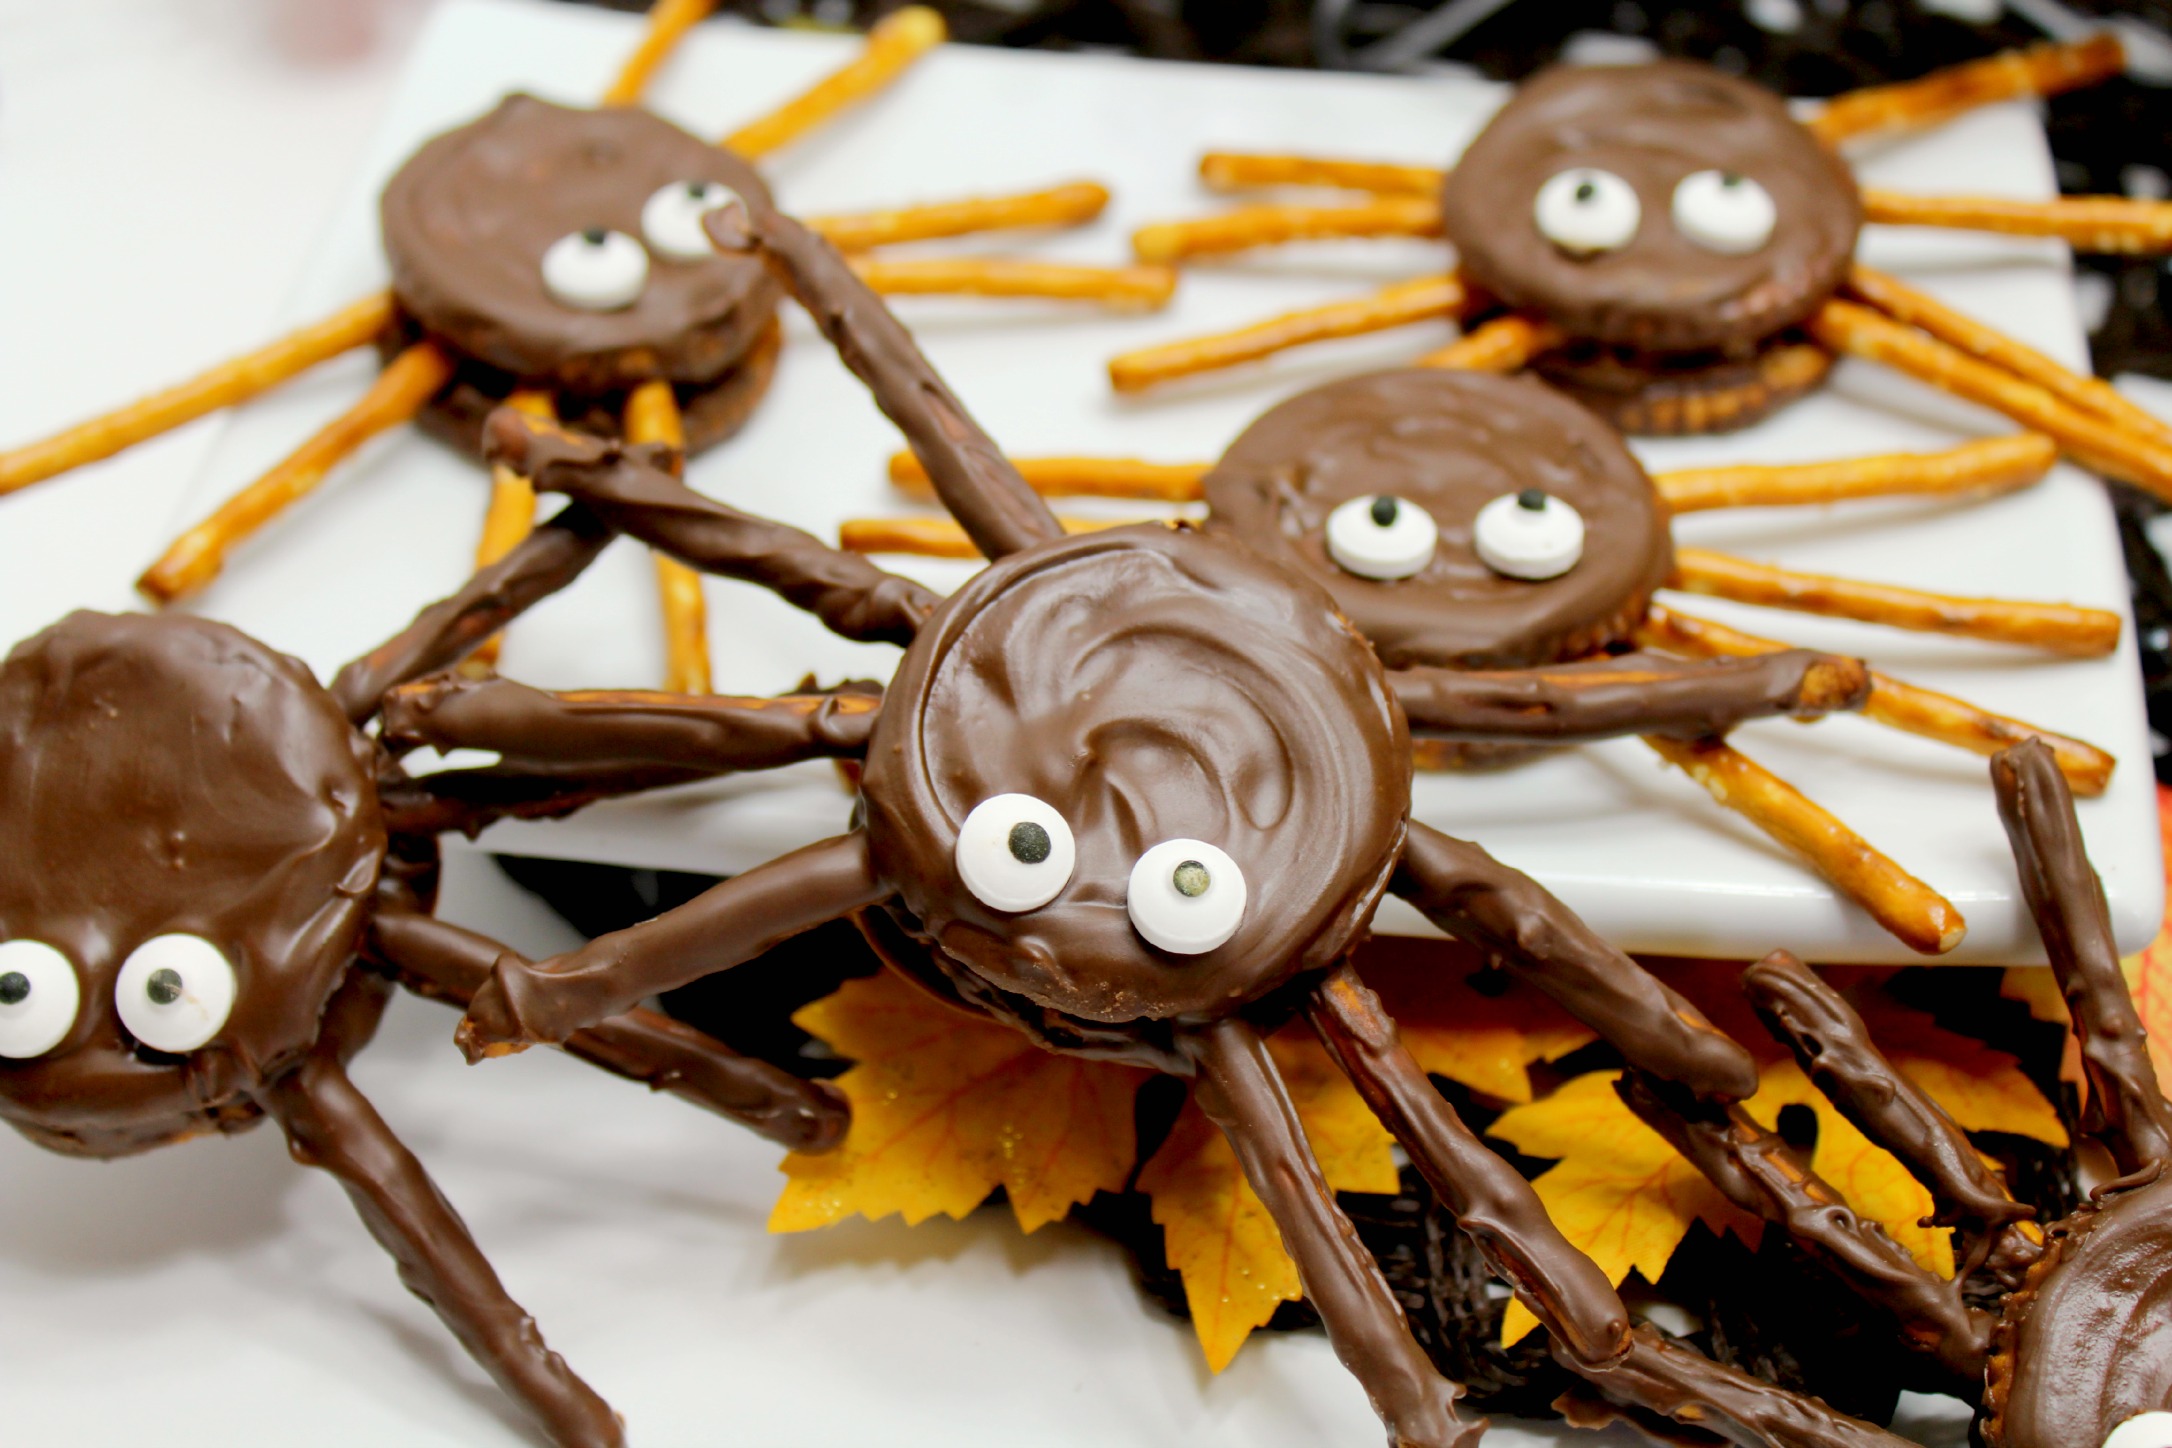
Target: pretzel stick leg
1249 171
2040 70
511 518
1395 306
669 20
895 42
1915 914
195 558
1893 703
226 385
652 416
942 538
1994 464
1251 227
1505 344
2102 225
1071 205
2059 628
1123 288
1077 477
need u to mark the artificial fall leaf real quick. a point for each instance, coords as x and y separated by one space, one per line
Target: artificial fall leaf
1485 1038
946 1107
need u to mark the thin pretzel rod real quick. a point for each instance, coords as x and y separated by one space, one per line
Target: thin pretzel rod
1239 1089
1628 694
1473 897
1505 344
1122 288
1493 1205
1918 308
2126 1109
2100 225
669 20
941 538
225 385
652 416
1272 224
1077 477
1395 306
1757 1171
469 801
625 487
1069 205
1915 914
1252 170
1893 703
1992 464
975 481
2040 70
511 516
194 559
2116 452
2060 628
332 1126
1681 1384
895 42
546 1001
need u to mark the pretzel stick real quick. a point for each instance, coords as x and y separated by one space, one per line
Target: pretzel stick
669 20
1505 344
2103 225
1068 205
2084 436
1995 464
510 519
1273 224
2062 628
1250 170
896 41
194 559
1915 914
1125 288
1077 477
2040 70
652 415
1894 703
1394 306
941 538
225 385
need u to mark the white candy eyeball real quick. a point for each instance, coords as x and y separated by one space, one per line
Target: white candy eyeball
175 992
2143 1430
1381 537
39 996
671 219
595 270
1186 896
1530 535
1724 212
1586 210
1015 853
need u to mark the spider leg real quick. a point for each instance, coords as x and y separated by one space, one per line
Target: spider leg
1505 344
1241 1092
2103 225
1988 465
332 1126
1073 204
1250 170
1143 287
1077 477
652 416
942 538
2040 70
510 517
668 22
895 42
2127 1110
1396 306
1272 224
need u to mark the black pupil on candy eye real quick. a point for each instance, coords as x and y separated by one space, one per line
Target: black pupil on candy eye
593 236
1191 879
164 987
1029 843
1587 190
1384 511
1730 180
699 190
14 988
1531 500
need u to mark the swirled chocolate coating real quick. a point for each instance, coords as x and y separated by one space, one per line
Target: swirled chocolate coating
164 774
1450 442
1149 685
1652 125
467 220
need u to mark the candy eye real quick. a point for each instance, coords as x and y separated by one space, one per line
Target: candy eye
1530 534
1015 853
2143 1430
595 270
1186 896
175 992
671 219
39 995
1724 212
1586 210
1381 537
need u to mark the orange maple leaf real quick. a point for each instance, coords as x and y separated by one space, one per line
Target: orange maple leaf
1487 1039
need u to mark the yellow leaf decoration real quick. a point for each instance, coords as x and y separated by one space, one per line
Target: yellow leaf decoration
2149 975
1486 1039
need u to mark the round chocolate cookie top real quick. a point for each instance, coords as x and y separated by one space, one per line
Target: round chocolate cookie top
168 776
1688 141
468 220
1448 443
1142 685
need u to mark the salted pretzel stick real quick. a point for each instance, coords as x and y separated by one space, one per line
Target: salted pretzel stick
1077 477
406 383
1893 703
511 518
1915 914
669 20
1273 224
1068 205
1505 344
1126 288
1251 170
2102 225
2061 628
1394 306
652 415
942 538
225 385
2040 70
1994 464
896 41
